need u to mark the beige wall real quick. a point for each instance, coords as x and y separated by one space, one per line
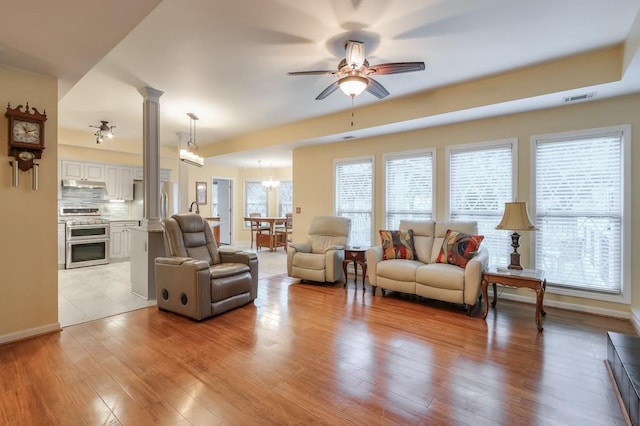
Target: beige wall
238 176
78 145
313 166
28 252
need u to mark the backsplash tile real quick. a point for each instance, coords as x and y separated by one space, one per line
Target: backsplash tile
87 197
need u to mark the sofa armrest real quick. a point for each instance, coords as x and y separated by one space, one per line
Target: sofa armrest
302 247
237 256
374 255
328 249
187 262
183 278
473 276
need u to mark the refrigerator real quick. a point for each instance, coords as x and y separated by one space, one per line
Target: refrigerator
168 200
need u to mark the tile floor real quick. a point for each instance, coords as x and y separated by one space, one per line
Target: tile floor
94 292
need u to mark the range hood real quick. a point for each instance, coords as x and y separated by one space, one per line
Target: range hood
84 184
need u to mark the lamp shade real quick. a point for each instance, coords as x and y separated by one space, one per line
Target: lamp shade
353 85
516 217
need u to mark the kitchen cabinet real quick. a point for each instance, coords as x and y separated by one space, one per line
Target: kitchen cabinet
120 239
165 174
61 245
80 170
119 180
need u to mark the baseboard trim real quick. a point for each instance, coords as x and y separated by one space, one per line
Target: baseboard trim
29 333
570 306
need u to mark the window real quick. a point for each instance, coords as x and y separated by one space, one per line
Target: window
285 198
354 197
255 198
579 212
408 187
215 210
480 182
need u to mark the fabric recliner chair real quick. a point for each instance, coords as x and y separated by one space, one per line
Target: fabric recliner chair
320 258
197 279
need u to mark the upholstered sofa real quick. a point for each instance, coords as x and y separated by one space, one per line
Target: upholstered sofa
424 276
320 257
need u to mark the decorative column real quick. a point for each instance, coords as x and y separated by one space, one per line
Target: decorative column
151 156
147 242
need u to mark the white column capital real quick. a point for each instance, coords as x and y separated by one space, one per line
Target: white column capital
151 94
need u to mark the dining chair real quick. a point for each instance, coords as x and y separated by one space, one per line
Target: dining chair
283 233
257 227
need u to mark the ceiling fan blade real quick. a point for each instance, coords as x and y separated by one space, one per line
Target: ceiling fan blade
354 53
329 90
397 67
310 72
376 89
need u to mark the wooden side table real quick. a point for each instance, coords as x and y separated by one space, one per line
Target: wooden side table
358 256
526 278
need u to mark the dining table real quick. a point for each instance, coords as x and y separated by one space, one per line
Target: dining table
267 237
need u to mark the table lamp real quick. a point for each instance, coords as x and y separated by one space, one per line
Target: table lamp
515 218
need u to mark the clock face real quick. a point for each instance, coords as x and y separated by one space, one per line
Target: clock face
26 132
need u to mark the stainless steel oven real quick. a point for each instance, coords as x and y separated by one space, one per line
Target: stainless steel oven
87 237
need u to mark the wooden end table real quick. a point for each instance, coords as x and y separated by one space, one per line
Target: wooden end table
357 255
526 278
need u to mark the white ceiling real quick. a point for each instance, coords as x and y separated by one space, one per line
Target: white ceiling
227 61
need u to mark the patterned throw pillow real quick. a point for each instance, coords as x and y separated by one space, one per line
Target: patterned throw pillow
397 244
458 248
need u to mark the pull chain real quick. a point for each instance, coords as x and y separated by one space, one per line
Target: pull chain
352 97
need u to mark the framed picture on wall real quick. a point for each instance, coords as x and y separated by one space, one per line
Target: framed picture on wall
201 193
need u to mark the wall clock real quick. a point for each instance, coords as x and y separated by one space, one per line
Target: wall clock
26 134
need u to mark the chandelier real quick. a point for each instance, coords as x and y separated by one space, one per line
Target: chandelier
190 155
104 131
269 183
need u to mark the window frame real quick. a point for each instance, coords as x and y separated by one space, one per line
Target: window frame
408 154
480 146
247 225
625 273
280 212
359 159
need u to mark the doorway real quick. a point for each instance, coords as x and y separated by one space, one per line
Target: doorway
222 196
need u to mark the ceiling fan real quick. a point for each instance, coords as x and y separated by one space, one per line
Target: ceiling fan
355 74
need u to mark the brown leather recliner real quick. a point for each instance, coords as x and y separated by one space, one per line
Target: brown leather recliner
197 279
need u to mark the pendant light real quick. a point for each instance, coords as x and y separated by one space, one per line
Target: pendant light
190 155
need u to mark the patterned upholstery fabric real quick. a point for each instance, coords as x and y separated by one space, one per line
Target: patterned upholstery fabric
397 244
458 248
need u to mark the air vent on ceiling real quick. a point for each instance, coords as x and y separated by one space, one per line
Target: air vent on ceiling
578 98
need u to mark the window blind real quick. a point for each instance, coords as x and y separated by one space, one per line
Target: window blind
256 198
285 198
579 186
354 198
408 188
480 182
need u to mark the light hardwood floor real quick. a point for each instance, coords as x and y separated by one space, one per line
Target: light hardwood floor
94 292
309 354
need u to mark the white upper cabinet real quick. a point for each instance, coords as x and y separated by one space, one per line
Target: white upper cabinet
80 170
119 180
138 174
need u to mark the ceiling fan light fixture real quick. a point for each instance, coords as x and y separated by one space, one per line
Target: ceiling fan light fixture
354 53
353 85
